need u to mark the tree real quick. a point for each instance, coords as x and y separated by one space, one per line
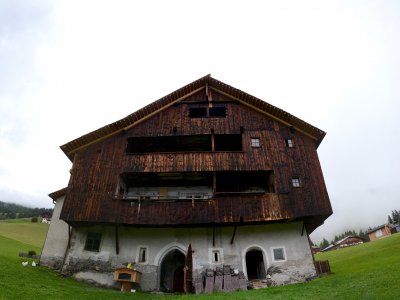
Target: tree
395 218
363 234
324 244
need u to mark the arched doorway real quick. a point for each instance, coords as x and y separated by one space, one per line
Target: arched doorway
255 264
171 278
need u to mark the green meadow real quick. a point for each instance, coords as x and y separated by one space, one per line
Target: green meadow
367 271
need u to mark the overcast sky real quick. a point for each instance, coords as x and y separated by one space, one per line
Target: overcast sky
70 67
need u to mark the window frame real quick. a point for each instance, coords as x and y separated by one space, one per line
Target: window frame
93 242
283 254
139 254
296 182
212 252
255 142
289 143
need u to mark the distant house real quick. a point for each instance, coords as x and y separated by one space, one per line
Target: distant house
46 217
315 249
379 232
347 241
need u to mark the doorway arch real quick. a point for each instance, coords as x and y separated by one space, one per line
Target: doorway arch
171 272
255 265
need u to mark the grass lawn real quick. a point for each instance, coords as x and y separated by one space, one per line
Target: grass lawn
367 271
25 231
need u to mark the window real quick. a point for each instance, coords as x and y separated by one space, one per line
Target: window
289 143
198 112
184 143
204 112
216 255
245 182
378 233
219 111
228 142
255 142
279 254
93 242
142 254
295 181
159 144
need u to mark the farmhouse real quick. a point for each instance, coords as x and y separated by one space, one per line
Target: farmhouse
350 240
381 231
207 178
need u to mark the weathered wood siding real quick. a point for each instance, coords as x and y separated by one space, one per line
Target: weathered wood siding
96 170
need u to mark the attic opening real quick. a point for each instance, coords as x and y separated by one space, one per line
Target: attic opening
207 112
184 143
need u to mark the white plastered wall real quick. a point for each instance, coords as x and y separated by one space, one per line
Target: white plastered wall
56 240
297 265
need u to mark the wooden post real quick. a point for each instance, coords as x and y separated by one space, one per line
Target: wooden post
233 235
187 271
213 235
116 240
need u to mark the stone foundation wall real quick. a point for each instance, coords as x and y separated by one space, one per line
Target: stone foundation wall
98 267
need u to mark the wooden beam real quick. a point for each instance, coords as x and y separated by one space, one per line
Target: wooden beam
116 240
68 245
233 235
214 235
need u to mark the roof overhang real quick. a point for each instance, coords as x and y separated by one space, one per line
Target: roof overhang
58 194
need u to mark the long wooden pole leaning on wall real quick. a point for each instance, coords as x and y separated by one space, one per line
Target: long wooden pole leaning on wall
68 245
233 235
116 240
213 235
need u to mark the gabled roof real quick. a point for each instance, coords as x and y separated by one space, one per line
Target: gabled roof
341 241
205 82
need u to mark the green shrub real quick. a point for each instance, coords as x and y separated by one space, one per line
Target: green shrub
34 220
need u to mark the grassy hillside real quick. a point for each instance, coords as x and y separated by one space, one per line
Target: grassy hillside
25 231
368 271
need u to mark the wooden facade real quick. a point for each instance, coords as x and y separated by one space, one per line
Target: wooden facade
194 133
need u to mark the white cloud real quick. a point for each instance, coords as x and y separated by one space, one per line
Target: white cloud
70 67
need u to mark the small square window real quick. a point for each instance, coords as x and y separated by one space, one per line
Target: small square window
93 242
296 181
289 143
279 254
255 142
216 255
